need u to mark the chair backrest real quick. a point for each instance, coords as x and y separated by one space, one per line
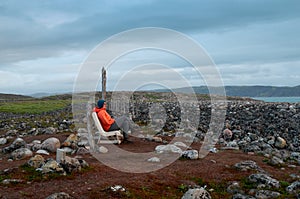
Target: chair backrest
97 122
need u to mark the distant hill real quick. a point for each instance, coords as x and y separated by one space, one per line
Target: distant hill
13 97
247 91
235 91
41 94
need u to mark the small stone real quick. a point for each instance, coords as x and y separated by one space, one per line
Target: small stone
180 144
213 150
227 134
43 152
190 154
153 159
157 139
60 195
3 141
11 181
103 149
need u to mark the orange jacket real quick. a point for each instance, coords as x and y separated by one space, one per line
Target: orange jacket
105 119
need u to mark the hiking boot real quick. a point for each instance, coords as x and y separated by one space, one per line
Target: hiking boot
127 141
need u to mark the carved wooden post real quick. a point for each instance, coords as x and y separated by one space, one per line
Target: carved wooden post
89 127
103 83
60 155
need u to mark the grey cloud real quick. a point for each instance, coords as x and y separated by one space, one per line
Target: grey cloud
233 32
94 23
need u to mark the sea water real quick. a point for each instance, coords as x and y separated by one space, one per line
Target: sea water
279 99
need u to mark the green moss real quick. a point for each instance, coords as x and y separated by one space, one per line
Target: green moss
3 177
31 174
183 188
284 184
247 184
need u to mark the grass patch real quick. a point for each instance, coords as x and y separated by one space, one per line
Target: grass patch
151 96
3 177
219 189
31 173
33 106
199 181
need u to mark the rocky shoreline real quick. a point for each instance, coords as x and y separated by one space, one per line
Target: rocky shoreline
254 125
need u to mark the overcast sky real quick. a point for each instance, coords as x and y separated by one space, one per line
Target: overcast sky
44 43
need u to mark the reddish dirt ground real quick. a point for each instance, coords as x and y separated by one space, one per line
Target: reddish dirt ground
168 182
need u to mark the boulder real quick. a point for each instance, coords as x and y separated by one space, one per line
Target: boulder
49 130
266 194
36 161
17 143
294 187
280 143
71 141
276 161
71 164
21 153
51 166
265 180
248 165
51 144
153 159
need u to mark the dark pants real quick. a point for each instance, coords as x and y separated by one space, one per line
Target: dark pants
121 123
